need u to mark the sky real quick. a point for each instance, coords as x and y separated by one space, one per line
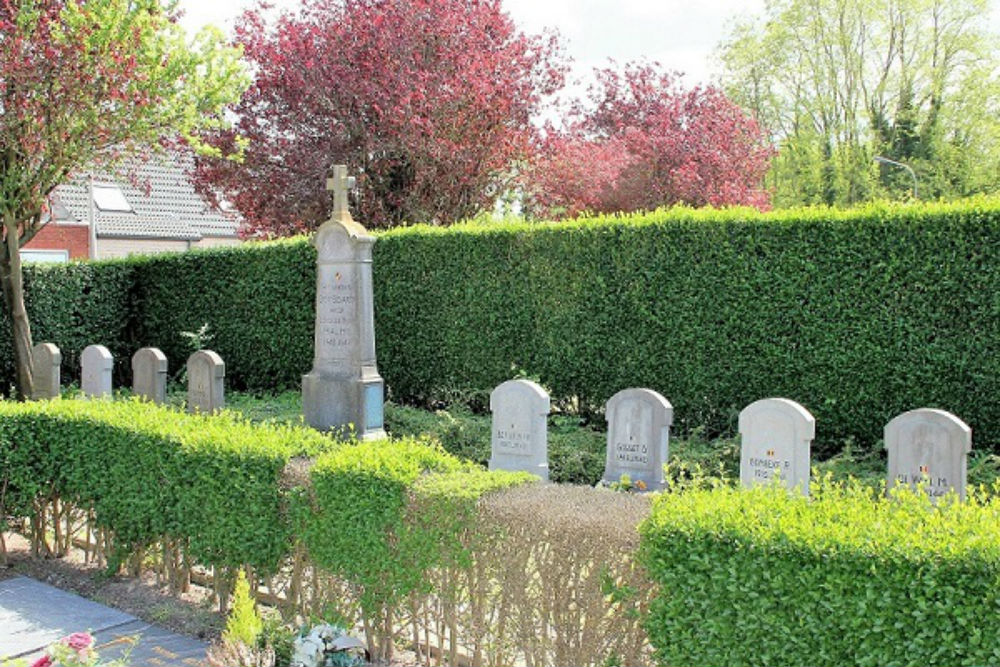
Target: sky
679 34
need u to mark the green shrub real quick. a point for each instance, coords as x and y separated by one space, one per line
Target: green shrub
244 623
357 524
848 577
149 473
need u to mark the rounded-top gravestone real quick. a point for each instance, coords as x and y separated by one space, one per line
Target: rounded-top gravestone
638 437
776 439
46 366
149 374
206 377
927 449
96 364
520 435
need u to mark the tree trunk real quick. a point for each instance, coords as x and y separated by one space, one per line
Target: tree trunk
13 298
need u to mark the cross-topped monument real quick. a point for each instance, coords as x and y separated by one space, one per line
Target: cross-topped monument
340 184
343 391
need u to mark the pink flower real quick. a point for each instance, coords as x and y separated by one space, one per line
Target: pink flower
44 661
79 641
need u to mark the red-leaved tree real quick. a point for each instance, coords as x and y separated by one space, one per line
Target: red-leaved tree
428 101
83 82
641 141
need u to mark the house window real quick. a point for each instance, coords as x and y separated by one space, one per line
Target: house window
45 256
111 198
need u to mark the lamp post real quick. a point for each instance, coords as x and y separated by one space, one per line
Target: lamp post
913 174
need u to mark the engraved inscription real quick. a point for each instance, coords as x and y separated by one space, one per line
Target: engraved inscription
512 441
336 313
632 454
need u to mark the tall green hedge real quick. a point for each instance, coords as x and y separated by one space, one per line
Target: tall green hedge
858 315
847 577
73 306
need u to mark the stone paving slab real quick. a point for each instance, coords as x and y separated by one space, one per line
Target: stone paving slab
34 614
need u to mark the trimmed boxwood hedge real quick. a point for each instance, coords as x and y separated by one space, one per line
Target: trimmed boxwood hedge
224 488
150 473
847 577
858 315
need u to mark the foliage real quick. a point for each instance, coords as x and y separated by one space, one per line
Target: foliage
429 101
149 473
764 577
74 305
566 556
86 82
244 623
576 451
248 297
243 641
858 315
356 526
837 83
643 142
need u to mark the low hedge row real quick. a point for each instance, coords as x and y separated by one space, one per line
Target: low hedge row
362 526
762 577
150 473
858 315
233 494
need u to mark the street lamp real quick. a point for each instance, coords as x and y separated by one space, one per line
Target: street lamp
913 174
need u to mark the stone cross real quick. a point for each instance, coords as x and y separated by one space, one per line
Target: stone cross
340 183
344 392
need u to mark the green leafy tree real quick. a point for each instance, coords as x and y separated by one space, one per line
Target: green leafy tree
837 82
83 83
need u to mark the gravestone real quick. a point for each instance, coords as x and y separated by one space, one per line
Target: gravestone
638 433
206 374
344 390
149 375
520 430
930 447
96 364
46 360
776 437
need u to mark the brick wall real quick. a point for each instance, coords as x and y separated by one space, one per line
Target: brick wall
56 236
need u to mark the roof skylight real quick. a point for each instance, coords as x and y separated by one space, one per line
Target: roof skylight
111 198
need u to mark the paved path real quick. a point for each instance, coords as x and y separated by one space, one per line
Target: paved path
33 615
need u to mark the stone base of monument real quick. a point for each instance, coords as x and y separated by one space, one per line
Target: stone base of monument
332 402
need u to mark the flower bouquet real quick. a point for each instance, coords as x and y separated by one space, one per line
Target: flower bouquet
75 650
